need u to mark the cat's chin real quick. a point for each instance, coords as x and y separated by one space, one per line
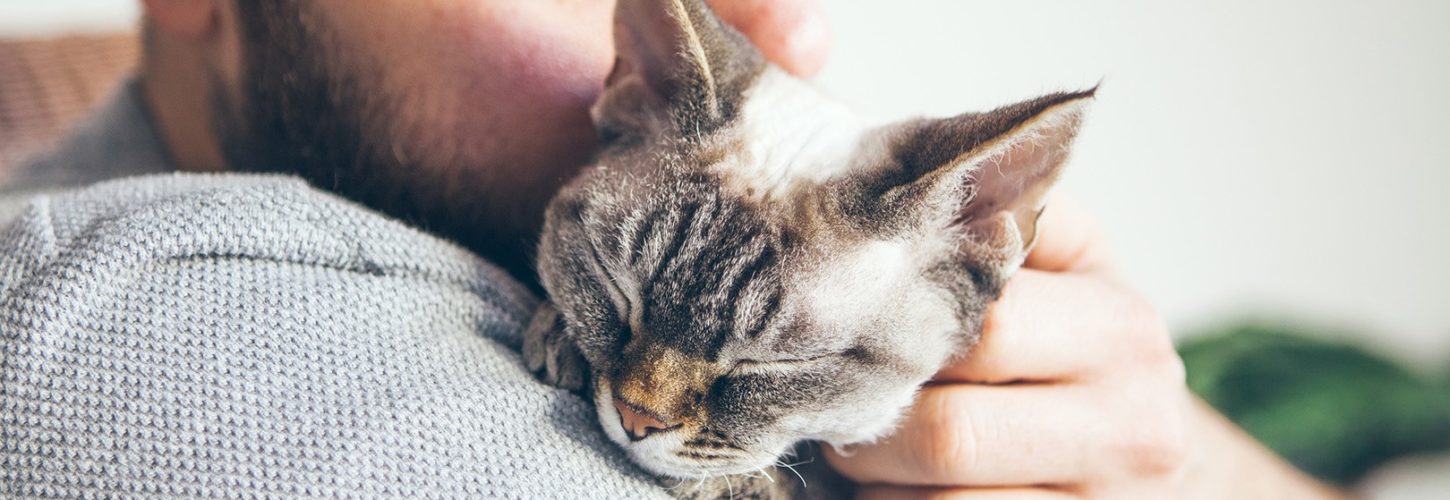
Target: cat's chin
694 471
660 454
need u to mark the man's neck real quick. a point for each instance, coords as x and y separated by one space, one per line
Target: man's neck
176 82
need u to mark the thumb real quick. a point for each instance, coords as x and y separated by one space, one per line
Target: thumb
791 33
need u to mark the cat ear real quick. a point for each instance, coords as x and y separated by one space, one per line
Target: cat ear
984 174
677 65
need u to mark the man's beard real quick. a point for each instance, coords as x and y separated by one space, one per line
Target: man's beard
303 110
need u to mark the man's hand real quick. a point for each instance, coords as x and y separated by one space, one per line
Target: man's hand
791 33
1074 391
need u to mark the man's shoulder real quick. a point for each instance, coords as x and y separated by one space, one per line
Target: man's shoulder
253 332
270 218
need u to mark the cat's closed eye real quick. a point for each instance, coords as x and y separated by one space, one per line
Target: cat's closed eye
766 367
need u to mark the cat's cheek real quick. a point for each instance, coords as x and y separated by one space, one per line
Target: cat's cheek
871 419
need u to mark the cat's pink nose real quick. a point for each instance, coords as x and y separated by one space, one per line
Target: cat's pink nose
638 424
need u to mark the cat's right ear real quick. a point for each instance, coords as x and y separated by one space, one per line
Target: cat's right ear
678 68
984 176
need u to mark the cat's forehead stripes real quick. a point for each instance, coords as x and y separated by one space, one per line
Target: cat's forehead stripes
706 267
738 214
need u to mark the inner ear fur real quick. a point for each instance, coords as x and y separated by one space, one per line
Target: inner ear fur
986 175
678 66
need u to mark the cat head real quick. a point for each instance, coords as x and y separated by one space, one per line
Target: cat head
749 265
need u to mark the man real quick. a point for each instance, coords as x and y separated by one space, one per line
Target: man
201 335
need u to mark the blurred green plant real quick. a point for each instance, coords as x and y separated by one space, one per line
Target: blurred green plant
1332 408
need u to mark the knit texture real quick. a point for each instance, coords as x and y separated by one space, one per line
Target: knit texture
187 335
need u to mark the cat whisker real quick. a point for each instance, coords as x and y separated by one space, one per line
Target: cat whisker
797 473
766 475
680 484
802 462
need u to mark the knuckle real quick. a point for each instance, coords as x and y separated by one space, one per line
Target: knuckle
1159 361
1159 448
1170 369
946 444
1153 340
1146 321
1161 459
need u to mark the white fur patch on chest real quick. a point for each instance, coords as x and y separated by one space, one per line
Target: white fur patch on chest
792 133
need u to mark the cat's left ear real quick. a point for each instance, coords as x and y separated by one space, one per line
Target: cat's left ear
986 175
678 70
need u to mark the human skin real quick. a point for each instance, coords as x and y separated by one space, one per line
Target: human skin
477 111
1074 391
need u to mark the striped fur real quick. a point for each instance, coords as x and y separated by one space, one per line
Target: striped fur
757 276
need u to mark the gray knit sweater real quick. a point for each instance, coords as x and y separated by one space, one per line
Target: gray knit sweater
183 335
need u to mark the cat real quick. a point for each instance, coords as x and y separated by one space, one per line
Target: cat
748 266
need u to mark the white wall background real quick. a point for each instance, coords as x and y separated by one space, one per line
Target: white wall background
1276 157
37 17
1286 156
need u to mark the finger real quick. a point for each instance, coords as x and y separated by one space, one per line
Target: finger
1050 327
891 492
793 34
1068 239
984 436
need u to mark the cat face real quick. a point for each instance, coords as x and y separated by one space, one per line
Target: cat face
734 333
748 265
